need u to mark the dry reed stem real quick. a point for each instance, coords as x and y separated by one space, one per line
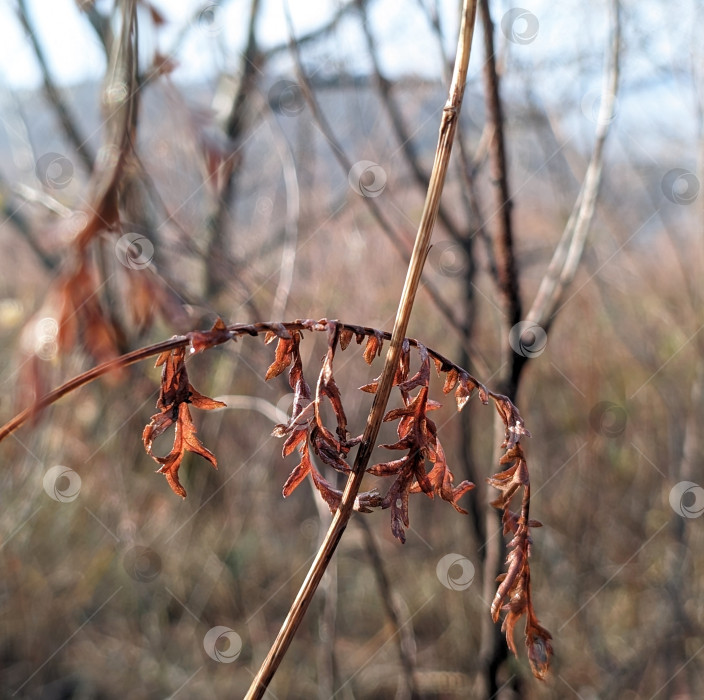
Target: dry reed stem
448 126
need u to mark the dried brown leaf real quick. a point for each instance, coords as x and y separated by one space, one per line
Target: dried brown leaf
204 340
373 347
299 473
283 358
175 395
346 336
450 381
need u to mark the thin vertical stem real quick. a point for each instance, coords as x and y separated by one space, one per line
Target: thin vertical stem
448 126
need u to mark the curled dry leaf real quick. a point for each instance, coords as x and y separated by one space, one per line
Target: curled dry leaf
373 347
204 340
175 396
514 591
418 434
305 428
284 355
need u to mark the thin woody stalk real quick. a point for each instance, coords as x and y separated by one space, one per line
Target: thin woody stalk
448 126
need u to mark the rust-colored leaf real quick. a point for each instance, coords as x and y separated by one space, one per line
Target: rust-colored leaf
450 381
539 648
204 340
283 358
441 480
373 348
346 336
298 474
175 395
422 376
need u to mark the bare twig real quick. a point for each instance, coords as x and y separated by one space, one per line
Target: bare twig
12 212
468 165
288 252
100 24
568 253
66 120
29 194
231 332
492 650
403 634
235 126
408 147
507 278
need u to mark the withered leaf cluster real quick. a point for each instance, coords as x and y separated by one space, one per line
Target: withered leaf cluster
418 434
423 468
175 397
80 300
513 595
305 429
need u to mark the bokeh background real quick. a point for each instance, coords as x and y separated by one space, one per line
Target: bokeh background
245 200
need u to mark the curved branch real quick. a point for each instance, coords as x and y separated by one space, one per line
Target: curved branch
568 253
293 210
200 340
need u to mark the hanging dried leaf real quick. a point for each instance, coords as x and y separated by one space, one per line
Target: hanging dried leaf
346 336
513 594
175 395
299 473
373 348
283 358
204 340
441 480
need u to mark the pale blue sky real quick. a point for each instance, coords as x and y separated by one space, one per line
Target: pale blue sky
74 54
